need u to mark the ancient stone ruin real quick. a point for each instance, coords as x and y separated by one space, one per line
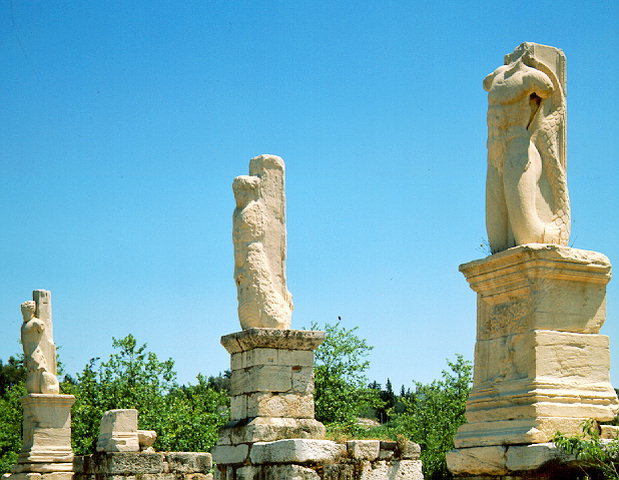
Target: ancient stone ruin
46 449
541 365
273 433
259 236
126 453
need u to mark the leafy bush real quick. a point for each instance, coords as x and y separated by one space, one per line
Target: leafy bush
185 418
339 376
432 413
597 458
10 425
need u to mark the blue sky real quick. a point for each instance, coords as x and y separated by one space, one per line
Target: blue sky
124 124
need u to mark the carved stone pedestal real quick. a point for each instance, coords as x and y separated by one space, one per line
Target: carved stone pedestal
541 365
272 385
46 437
272 388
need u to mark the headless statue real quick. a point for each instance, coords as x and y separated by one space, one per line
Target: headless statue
38 344
259 236
526 187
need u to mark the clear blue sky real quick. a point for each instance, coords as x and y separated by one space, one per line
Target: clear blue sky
124 124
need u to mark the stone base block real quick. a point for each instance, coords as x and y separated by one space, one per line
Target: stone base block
144 466
308 459
519 460
42 467
268 429
514 432
118 431
272 386
296 451
541 365
42 476
46 430
272 373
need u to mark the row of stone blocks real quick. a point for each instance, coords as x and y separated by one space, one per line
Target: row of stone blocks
132 466
144 466
311 459
273 435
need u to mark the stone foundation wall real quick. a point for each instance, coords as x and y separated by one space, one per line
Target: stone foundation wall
306 459
144 466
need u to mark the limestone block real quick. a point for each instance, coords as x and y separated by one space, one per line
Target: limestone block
271 356
198 476
189 462
146 476
57 476
532 457
272 338
46 429
272 378
40 476
247 472
230 454
405 470
539 286
302 380
478 460
42 467
388 449
296 451
119 431
276 472
280 405
340 471
127 463
146 439
575 358
224 472
395 470
261 379
267 429
516 431
363 449
408 450
238 407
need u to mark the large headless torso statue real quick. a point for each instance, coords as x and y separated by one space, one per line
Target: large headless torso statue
526 187
38 343
259 236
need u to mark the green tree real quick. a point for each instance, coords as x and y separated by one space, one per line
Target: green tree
432 413
11 373
195 414
136 378
10 425
339 376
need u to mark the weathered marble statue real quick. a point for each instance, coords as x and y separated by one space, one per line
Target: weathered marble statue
526 187
38 343
259 235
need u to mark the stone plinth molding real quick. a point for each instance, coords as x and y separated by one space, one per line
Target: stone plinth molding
541 365
46 434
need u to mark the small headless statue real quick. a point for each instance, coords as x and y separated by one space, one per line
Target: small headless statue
34 340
